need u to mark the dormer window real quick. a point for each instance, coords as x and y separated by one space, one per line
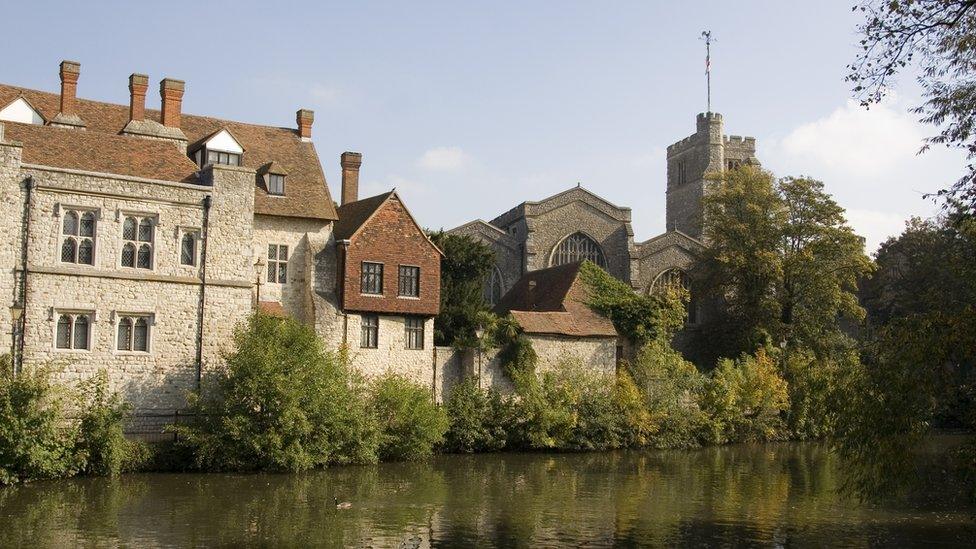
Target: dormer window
218 148
221 157
276 184
19 110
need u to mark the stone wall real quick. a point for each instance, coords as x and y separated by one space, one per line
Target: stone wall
391 354
169 293
300 235
508 254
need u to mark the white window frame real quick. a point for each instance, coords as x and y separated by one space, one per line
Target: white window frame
275 264
73 314
61 212
271 177
137 243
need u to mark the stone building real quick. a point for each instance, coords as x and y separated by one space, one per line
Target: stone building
138 239
578 224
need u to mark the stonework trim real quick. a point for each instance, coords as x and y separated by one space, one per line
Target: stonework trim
117 177
145 277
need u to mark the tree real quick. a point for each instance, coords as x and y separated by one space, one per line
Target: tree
919 354
782 259
939 36
464 270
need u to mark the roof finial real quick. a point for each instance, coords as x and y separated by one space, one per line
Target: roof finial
707 37
578 184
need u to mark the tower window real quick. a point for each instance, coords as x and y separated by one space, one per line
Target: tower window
681 173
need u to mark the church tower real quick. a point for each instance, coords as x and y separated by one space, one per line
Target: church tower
690 160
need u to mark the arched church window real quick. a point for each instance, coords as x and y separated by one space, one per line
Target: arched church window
493 287
676 278
577 247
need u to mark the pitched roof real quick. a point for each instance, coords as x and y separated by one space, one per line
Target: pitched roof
353 215
116 154
307 192
553 301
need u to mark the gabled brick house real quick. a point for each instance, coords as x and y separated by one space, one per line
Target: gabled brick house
388 283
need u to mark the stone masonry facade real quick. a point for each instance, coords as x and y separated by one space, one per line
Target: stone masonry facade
138 240
537 235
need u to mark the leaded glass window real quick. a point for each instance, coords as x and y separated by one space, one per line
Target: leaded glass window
138 242
73 331
372 278
409 284
494 287
188 249
277 263
133 333
577 247
78 237
370 332
414 332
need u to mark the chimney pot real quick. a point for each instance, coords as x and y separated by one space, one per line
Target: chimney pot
171 92
138 84
70 70
305 117
350 161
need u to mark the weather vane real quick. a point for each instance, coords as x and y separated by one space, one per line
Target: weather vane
707 37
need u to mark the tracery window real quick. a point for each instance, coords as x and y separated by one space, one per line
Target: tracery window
676 278
577 247
78 237
137 239
493 287
73 331
133 333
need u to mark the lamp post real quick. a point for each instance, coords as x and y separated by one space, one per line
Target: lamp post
479 333
16 312
259 270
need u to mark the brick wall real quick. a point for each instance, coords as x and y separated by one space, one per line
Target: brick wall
393 239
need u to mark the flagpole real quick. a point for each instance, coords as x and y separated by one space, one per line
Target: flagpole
707 37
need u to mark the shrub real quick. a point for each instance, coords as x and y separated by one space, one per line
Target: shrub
570 408
747 399
814 391
636 424
478 420
101 448
36 438
672 389
281 404
410 423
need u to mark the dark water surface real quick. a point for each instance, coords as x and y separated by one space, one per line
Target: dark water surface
765 495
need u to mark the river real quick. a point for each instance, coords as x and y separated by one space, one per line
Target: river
765 495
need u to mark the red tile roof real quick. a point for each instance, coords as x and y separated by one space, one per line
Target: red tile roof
307 194
553 301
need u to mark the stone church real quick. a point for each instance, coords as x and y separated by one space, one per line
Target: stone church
578 224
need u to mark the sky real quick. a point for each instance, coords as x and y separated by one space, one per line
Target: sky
468 109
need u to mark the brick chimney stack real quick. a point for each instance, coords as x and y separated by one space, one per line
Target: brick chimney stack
171 92
305 117
70 70
138 84
351 161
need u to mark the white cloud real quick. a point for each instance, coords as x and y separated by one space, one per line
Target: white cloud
868 160
444 159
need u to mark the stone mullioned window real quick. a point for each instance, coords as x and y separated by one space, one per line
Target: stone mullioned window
78 237
138 242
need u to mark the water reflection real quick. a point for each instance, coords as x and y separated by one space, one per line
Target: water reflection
782 494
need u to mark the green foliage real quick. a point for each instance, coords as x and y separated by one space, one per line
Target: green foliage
937 38
747 399
410 423
672 389
478 419
48 430
816 389
783 261
36 438
918 356
640 318
101 448
466 266
282 404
